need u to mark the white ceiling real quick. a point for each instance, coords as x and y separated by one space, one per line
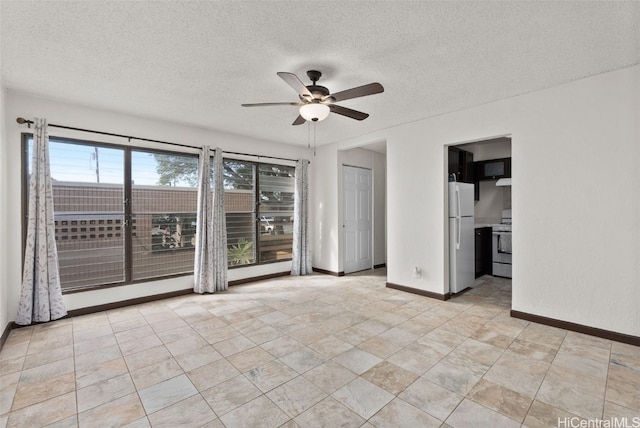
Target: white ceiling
195 62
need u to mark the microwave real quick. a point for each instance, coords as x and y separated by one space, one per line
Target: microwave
493 169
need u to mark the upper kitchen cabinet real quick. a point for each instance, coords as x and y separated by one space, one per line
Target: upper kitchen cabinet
492 169
461 164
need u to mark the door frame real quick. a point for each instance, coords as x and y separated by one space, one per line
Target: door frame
343 218
480 140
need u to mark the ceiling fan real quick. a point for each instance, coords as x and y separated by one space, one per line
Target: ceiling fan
316 102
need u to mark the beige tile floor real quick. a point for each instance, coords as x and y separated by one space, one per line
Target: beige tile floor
314 352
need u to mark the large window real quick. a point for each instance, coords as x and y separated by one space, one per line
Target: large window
259 211
276 188
124 214
240 211
88 190
163 213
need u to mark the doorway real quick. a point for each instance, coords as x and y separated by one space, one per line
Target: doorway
485 167
358 216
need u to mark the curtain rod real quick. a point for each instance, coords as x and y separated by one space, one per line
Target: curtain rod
22 121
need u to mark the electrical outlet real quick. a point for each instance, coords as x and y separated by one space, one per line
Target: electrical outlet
417 272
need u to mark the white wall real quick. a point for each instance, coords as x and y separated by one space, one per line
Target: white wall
576 205
380 209
19 104
324 209
376 162
4 225
488 209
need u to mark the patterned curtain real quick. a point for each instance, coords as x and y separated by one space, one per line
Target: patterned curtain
203 264
210 266
41 295
301 263
219 225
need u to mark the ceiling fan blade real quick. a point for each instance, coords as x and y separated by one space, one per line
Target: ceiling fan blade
299 120
271 104
353 114
293 81
360 91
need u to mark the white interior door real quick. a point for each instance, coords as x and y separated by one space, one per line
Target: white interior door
358 232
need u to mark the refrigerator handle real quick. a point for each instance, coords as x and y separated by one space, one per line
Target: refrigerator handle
458 213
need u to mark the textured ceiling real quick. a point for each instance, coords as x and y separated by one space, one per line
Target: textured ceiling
195 62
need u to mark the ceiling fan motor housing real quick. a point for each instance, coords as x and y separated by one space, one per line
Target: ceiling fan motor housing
318 91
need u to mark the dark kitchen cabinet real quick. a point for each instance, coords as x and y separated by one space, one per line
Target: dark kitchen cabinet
461 164
493 169
484 264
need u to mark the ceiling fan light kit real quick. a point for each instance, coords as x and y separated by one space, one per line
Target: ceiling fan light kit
316 102
314 111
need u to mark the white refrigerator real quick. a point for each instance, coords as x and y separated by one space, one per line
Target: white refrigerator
461 237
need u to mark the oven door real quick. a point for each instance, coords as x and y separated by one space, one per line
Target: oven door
501 265
498 256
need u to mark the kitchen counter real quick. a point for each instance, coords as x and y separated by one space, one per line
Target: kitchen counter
481 225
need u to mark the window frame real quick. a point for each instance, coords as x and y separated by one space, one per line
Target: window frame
257 214
26 136
127 207
129 214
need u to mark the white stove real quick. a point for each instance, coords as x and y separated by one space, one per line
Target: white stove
501 227
502 246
